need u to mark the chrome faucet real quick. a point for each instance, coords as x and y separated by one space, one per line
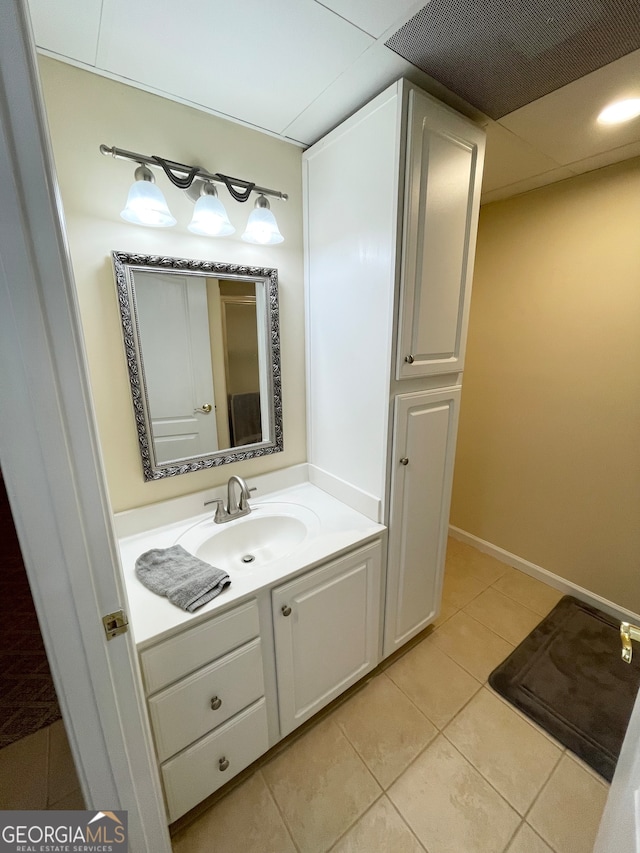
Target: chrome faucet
235 508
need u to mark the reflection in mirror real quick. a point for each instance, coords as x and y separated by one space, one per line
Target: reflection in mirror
203 350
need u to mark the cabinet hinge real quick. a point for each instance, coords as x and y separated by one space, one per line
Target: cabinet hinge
115 624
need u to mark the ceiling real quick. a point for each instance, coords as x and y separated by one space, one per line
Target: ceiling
297 68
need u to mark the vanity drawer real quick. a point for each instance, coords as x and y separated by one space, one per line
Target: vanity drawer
207 765
172 659
194 706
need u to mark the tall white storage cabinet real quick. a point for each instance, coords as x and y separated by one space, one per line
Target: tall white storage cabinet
391 212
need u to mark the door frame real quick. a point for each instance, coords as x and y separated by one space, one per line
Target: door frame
50 456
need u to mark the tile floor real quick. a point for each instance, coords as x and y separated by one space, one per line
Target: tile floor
425 756
37 772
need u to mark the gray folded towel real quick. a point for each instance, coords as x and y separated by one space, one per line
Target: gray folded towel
187 581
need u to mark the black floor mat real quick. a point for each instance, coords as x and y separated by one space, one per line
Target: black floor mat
568 676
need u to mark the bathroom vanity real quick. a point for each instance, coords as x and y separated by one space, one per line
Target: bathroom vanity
298 625
319 593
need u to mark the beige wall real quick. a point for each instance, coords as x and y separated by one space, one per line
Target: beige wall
85 110
548 462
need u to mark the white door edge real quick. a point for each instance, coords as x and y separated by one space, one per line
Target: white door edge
49 453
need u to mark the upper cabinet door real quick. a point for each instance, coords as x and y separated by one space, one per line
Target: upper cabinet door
445 154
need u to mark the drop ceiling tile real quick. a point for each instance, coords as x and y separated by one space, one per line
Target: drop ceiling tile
524 186
509 159
626 152
374 16
563 124
262 63
372 72
78 37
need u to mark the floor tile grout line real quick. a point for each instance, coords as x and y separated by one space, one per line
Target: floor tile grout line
354 822
400 815
357 755
539 794
430 638
513 598
535 726
488 781
517 601
511 642
493 788
584 766
278 809
429 742
513 835
424 714
537 834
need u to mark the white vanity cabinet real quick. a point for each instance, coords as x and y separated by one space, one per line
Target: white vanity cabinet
391 211
205 694
327 633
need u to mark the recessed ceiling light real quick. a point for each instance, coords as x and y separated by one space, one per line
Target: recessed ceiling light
620 111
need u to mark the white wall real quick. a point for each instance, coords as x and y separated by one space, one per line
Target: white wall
85 110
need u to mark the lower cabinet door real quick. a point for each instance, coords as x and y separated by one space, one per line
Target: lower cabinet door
326 628
206 765
425 427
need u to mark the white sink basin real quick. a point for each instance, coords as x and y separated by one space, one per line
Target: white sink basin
270 531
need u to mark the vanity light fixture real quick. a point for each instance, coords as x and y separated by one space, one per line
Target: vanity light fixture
210 219
146 204
620 111
262 227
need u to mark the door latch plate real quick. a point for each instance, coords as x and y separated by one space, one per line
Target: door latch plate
115 624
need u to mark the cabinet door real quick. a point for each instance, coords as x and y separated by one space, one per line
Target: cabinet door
445 153
326 626
422 472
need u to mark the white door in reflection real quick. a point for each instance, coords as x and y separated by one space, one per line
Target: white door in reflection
174 329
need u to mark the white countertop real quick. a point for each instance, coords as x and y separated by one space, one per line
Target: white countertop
340 529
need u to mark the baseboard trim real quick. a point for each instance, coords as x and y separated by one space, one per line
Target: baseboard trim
537 572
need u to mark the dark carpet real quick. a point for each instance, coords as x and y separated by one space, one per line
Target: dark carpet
568 676
28 699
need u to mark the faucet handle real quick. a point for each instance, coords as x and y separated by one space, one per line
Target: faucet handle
221 512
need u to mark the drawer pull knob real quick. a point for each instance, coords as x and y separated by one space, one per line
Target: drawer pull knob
286 610
409 359
215 703
404 461
223 764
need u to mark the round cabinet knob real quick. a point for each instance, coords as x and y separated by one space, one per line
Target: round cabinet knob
216 702
404 461
286 610
223 764
409 359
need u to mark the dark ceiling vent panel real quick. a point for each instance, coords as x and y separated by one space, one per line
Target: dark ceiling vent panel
502 54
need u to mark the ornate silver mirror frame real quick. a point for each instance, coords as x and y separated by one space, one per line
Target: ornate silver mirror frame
125 266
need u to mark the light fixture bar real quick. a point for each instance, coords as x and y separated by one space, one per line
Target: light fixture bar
194 171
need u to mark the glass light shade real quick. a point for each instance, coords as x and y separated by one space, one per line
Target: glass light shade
262 227
210 218
146 205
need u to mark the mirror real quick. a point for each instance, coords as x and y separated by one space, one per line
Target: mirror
202 344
